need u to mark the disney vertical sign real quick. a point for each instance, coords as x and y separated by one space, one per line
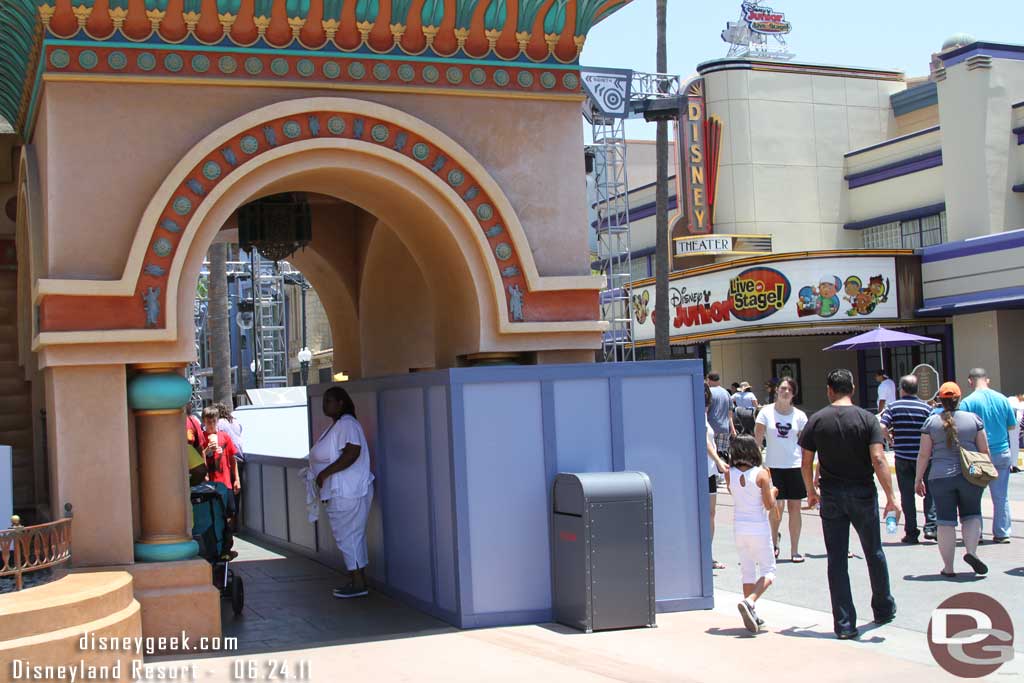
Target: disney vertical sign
698 141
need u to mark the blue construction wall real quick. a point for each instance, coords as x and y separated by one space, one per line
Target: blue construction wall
465 460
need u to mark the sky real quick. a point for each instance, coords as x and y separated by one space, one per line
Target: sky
882 34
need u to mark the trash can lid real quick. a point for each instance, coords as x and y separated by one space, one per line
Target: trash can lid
576 489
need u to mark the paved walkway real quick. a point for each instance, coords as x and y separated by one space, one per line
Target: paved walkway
291 621
913 571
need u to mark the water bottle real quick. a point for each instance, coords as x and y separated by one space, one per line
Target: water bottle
890 522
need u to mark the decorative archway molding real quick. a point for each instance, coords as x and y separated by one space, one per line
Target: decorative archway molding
142 305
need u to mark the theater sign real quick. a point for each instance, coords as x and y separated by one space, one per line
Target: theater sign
780 291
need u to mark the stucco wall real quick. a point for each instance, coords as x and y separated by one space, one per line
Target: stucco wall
918 119
397 312
782 153
751 360
974 107
112 145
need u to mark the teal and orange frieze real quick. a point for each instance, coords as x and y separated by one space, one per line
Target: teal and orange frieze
519 48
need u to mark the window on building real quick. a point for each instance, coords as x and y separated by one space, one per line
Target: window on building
913 234
639 267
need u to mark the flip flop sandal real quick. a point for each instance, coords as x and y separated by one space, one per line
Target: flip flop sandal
715 564
797 559
948 575
979 567
776 552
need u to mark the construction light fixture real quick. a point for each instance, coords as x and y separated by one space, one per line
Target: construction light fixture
276 226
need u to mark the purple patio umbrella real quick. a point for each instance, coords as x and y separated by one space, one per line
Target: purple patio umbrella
879 338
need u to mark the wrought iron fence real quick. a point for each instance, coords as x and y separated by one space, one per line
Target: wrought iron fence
25 549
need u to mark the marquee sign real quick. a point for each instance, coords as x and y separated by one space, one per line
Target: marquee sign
698 141
749 37
765 20
806 291
717 245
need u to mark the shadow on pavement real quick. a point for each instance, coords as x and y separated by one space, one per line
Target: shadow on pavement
289 606
959 578
731 632
804 632
1019 571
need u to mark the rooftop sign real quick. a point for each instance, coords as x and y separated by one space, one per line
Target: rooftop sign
758 33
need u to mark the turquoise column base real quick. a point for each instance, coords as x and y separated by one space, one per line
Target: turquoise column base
166 552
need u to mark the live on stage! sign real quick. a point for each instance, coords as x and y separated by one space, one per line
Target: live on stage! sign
775 293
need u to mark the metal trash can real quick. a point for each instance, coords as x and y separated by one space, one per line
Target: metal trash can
603 525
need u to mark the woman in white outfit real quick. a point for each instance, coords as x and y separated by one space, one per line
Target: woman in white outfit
340 460
779 425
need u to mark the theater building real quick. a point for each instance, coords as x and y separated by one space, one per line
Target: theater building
873 199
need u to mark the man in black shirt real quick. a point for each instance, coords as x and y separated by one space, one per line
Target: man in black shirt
848 441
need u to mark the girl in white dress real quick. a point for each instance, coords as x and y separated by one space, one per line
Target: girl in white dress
753 497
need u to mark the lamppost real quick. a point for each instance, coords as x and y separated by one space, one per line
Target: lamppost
304 356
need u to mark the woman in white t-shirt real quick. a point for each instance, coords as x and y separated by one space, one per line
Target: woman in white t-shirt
340 460
780 424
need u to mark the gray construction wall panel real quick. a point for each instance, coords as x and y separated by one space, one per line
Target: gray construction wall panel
507 494
406 506
658 432
441 483
273 501
301 529
583 435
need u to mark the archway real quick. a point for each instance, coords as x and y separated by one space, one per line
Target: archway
443 205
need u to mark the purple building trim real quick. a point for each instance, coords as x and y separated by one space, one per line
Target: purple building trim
907 215
1018 188
1012 239
996 50
989 298
642 211
634 190
1017 105
896 169
891 141
1019 132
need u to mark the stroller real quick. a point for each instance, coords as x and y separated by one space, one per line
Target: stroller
210 530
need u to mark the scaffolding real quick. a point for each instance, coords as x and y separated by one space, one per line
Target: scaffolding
608 106
613 252
260 315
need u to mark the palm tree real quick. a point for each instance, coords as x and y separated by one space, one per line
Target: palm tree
662 349
217 319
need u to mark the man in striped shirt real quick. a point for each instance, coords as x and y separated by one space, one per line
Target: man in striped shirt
901 422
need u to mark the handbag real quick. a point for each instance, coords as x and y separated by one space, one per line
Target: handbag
976 467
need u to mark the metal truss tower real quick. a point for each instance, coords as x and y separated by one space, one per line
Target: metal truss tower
613 252
614 96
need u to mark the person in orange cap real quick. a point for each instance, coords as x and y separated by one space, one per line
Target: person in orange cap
942 435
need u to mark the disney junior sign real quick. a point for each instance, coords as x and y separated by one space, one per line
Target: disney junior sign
970 635
772 292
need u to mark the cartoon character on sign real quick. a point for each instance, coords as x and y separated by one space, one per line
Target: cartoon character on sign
864 304
640 302
822 300
879 287
806 301
828 302
851 288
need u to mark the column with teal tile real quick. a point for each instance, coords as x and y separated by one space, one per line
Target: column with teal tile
157 393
